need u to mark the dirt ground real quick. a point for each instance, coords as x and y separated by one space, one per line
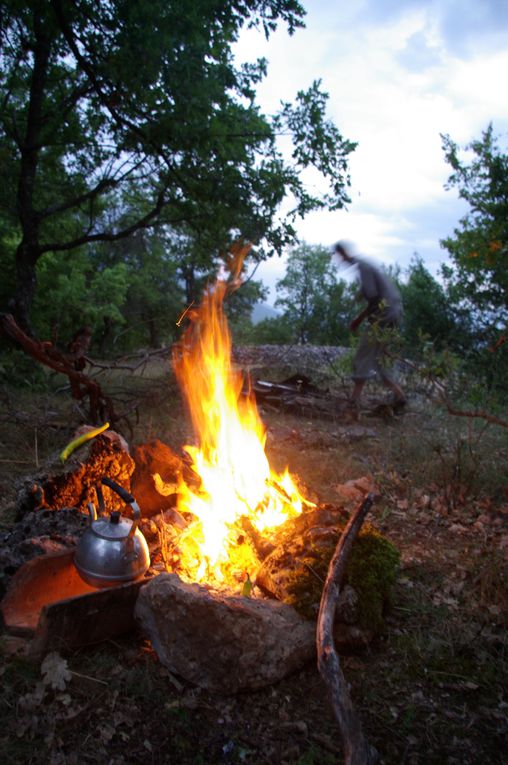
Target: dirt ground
433 686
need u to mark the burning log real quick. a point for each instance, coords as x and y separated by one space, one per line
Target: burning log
357 751
157 475
295 572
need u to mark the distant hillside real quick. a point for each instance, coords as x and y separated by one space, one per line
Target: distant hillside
263 311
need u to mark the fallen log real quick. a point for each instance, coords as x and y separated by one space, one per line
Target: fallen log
357 751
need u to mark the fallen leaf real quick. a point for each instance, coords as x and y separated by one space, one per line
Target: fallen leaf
55 671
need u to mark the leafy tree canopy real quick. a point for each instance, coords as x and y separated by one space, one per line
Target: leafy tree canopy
315 303
120 115
427 310
478 277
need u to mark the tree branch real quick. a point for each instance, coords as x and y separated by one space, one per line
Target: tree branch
78 200
107 236
465 412
357 751
440 389
101 406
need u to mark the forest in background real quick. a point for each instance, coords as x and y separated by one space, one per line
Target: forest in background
124 187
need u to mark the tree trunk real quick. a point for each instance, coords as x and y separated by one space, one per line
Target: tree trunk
189 275
26 284
29 251
107 326
154 333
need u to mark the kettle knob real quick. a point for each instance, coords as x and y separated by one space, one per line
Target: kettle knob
127 498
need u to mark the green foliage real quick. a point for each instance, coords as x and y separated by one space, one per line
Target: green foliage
19 370
314 302
239 304
154 298
477 280
316 756
9 239
274 331
95 146
479 247
312 132
427 311
76 294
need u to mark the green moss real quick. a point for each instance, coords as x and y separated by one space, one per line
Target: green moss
305 582
371 571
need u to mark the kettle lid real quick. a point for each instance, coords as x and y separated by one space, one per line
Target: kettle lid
114 527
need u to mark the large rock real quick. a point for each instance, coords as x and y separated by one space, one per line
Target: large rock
220 642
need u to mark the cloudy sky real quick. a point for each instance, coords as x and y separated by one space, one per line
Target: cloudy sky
399 73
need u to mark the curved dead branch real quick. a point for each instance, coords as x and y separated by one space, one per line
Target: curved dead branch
357 751
469 413
101 406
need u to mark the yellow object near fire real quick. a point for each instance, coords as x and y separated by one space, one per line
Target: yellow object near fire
75 443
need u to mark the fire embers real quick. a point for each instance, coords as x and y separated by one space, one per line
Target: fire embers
180 550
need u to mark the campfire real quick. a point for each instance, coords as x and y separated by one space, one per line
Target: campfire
236 495
219 521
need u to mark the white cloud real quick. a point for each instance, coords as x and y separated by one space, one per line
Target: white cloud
398 73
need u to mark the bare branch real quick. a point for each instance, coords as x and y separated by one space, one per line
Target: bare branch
490 418
108 236
440 388
357 751
101 406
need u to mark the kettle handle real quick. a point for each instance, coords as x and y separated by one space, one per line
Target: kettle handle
128 499
123 493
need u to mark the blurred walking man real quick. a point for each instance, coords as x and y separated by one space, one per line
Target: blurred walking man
383 312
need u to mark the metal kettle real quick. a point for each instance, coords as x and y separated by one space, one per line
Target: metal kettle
112 550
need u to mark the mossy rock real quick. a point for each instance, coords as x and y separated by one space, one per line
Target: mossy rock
296 570
371 571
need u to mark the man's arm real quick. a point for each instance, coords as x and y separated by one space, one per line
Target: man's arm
369 309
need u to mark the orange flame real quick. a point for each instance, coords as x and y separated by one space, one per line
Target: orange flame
235 479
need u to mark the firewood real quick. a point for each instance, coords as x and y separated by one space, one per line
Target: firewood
357 751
